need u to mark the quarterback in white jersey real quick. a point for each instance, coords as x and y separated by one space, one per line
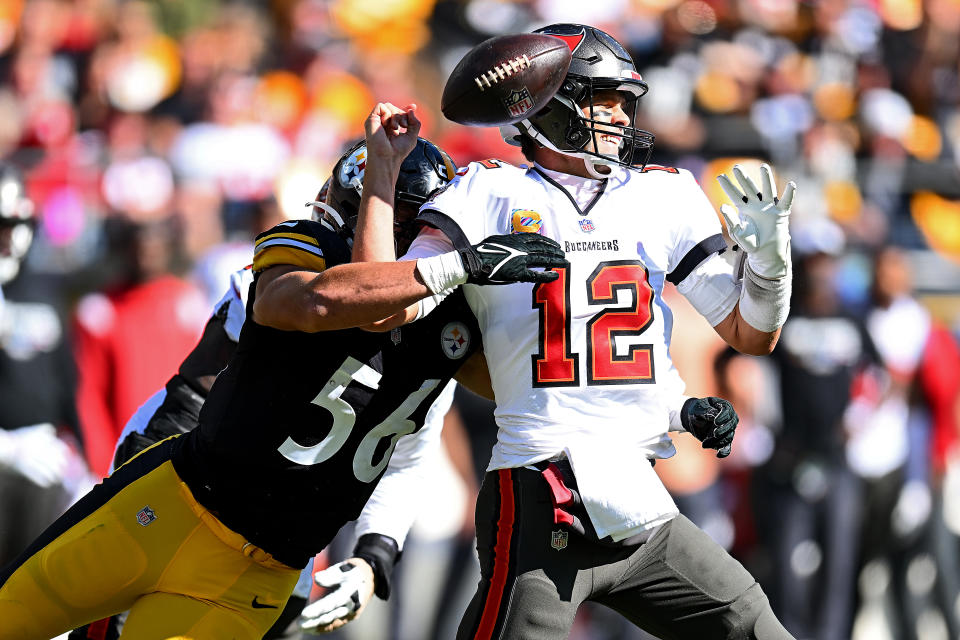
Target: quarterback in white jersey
580 364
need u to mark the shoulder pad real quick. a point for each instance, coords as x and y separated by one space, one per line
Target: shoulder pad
658 167
303 243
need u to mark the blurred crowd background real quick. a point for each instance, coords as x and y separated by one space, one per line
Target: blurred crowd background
158 137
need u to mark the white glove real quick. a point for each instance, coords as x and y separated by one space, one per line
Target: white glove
760 222
352 584
36 453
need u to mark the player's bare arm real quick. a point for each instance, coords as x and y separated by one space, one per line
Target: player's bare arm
391 134
349 295
475 376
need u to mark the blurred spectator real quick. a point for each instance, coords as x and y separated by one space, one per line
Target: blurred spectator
39 447
748 383
939 382
130 336
693 475
808 495
888 444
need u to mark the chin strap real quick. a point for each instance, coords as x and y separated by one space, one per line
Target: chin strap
338 226
590 162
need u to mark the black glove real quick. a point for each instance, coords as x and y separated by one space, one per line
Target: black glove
712 421
512 258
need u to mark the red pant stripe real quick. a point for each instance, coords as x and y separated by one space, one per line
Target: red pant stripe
98 630
501 559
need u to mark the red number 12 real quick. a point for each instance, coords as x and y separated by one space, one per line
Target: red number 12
557 365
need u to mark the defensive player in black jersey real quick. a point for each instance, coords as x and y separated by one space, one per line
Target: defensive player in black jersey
203 535
176 409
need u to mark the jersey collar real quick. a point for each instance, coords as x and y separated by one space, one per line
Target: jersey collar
544 173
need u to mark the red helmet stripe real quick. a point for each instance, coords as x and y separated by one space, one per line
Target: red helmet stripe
572 41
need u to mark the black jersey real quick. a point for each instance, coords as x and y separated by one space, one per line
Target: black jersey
299 427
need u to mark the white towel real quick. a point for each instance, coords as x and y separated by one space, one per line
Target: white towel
620 490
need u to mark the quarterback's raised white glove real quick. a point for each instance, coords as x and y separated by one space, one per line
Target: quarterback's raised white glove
35 452
760 222
352 584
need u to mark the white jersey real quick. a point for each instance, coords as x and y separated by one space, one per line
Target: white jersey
581 365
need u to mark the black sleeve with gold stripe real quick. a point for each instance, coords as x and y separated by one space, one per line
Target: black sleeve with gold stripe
302 243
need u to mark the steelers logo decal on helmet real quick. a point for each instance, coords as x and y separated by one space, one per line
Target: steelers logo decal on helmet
351 170
423 171
455 340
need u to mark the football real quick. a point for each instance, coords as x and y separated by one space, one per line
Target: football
505 79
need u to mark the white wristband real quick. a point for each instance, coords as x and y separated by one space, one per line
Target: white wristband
765 303
442 272
676 422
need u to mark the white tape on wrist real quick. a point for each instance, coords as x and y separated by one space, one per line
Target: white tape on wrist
676 422
765 303
442 272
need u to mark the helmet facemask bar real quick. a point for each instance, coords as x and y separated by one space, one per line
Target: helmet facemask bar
636 145
405 224
581 132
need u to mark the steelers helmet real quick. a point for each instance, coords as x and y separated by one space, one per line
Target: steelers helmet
16 221
598 63
424 170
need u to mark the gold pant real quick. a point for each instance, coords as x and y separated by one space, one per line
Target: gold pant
140 541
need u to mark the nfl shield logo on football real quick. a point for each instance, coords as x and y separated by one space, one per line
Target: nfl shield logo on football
558 539
525 220
587 225
518 102
146 516
454 340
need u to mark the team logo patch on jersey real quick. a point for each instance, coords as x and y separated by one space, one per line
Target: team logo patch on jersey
146 515
559 539
351 171
455 339
587 226
525 220
518 102
395 335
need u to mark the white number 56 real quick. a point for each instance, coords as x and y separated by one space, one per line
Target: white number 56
396 425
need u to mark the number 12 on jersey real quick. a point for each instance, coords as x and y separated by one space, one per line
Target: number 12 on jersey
558 365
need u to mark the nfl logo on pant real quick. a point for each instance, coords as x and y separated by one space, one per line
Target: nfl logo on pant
558 540
146 516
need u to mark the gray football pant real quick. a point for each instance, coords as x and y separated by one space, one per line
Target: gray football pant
679 584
